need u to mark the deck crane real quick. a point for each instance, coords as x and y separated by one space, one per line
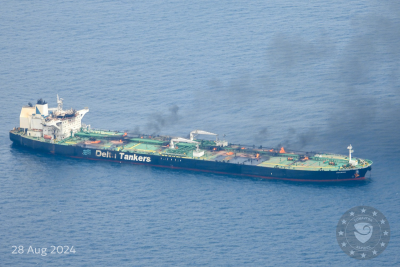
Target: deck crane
196 153
194 133
178 140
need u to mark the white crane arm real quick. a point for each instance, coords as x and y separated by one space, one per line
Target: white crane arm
197 132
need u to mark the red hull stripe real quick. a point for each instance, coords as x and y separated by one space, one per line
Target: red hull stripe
225 173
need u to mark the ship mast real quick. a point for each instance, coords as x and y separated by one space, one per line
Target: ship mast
59 104
350 151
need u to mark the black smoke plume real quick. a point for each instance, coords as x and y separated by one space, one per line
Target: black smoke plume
158 121
364 78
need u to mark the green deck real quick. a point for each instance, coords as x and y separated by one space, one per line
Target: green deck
241 155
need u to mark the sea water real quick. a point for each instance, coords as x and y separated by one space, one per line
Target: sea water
312 76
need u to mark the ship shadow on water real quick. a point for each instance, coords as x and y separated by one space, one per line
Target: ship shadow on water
44 157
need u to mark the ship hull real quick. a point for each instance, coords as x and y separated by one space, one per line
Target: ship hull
165 161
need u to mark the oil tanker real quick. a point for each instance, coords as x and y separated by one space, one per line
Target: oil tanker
61 132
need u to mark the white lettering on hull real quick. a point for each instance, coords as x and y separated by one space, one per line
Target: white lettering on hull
122 156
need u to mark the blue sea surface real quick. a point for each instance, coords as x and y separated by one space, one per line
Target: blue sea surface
306 75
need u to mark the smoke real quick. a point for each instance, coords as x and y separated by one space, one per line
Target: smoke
235 91
158 121
292 140
261 136
351 81
304 139
362 79
297 141
370 56
136 130
290 51
240 88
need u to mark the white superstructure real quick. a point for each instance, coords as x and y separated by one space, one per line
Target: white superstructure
55 123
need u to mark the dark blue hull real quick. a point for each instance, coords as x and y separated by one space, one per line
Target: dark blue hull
191 164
